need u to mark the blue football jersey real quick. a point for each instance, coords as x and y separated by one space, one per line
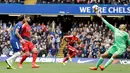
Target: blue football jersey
17 26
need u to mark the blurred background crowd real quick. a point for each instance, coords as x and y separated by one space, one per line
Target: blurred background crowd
12 1
96 37
71 1
47 34
84 1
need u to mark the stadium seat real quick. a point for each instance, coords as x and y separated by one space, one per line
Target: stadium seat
30 2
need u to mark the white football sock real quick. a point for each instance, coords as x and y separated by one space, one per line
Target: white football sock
13 57
12 61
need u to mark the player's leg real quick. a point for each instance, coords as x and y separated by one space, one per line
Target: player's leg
101 59
15 58
25 55
25 49
17 52
72 55
11 60
73 52
67 57
34 55
114 55
119 52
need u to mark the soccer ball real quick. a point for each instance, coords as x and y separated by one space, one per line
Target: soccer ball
95 8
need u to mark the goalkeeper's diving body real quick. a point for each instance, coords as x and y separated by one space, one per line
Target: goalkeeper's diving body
121 40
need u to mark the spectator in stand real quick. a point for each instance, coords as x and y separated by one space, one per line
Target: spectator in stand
57 42
43 51
53 1
52 50
12 1
85 51
84 1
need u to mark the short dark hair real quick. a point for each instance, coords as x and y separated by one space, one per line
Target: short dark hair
20 18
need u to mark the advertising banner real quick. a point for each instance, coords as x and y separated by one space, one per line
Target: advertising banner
74 60
106 9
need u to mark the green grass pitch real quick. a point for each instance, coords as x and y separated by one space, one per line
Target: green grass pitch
59 68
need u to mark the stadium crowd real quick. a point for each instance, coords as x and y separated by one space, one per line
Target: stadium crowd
71 1
96 39
11 1
84 1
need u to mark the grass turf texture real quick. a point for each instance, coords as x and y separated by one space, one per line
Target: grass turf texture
59 68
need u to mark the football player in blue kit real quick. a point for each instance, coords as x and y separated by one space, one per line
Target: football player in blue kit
15 41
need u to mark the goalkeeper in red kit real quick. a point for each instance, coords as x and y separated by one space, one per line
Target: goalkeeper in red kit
28 46
71 41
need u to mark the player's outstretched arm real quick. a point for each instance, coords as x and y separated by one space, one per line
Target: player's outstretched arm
106 22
